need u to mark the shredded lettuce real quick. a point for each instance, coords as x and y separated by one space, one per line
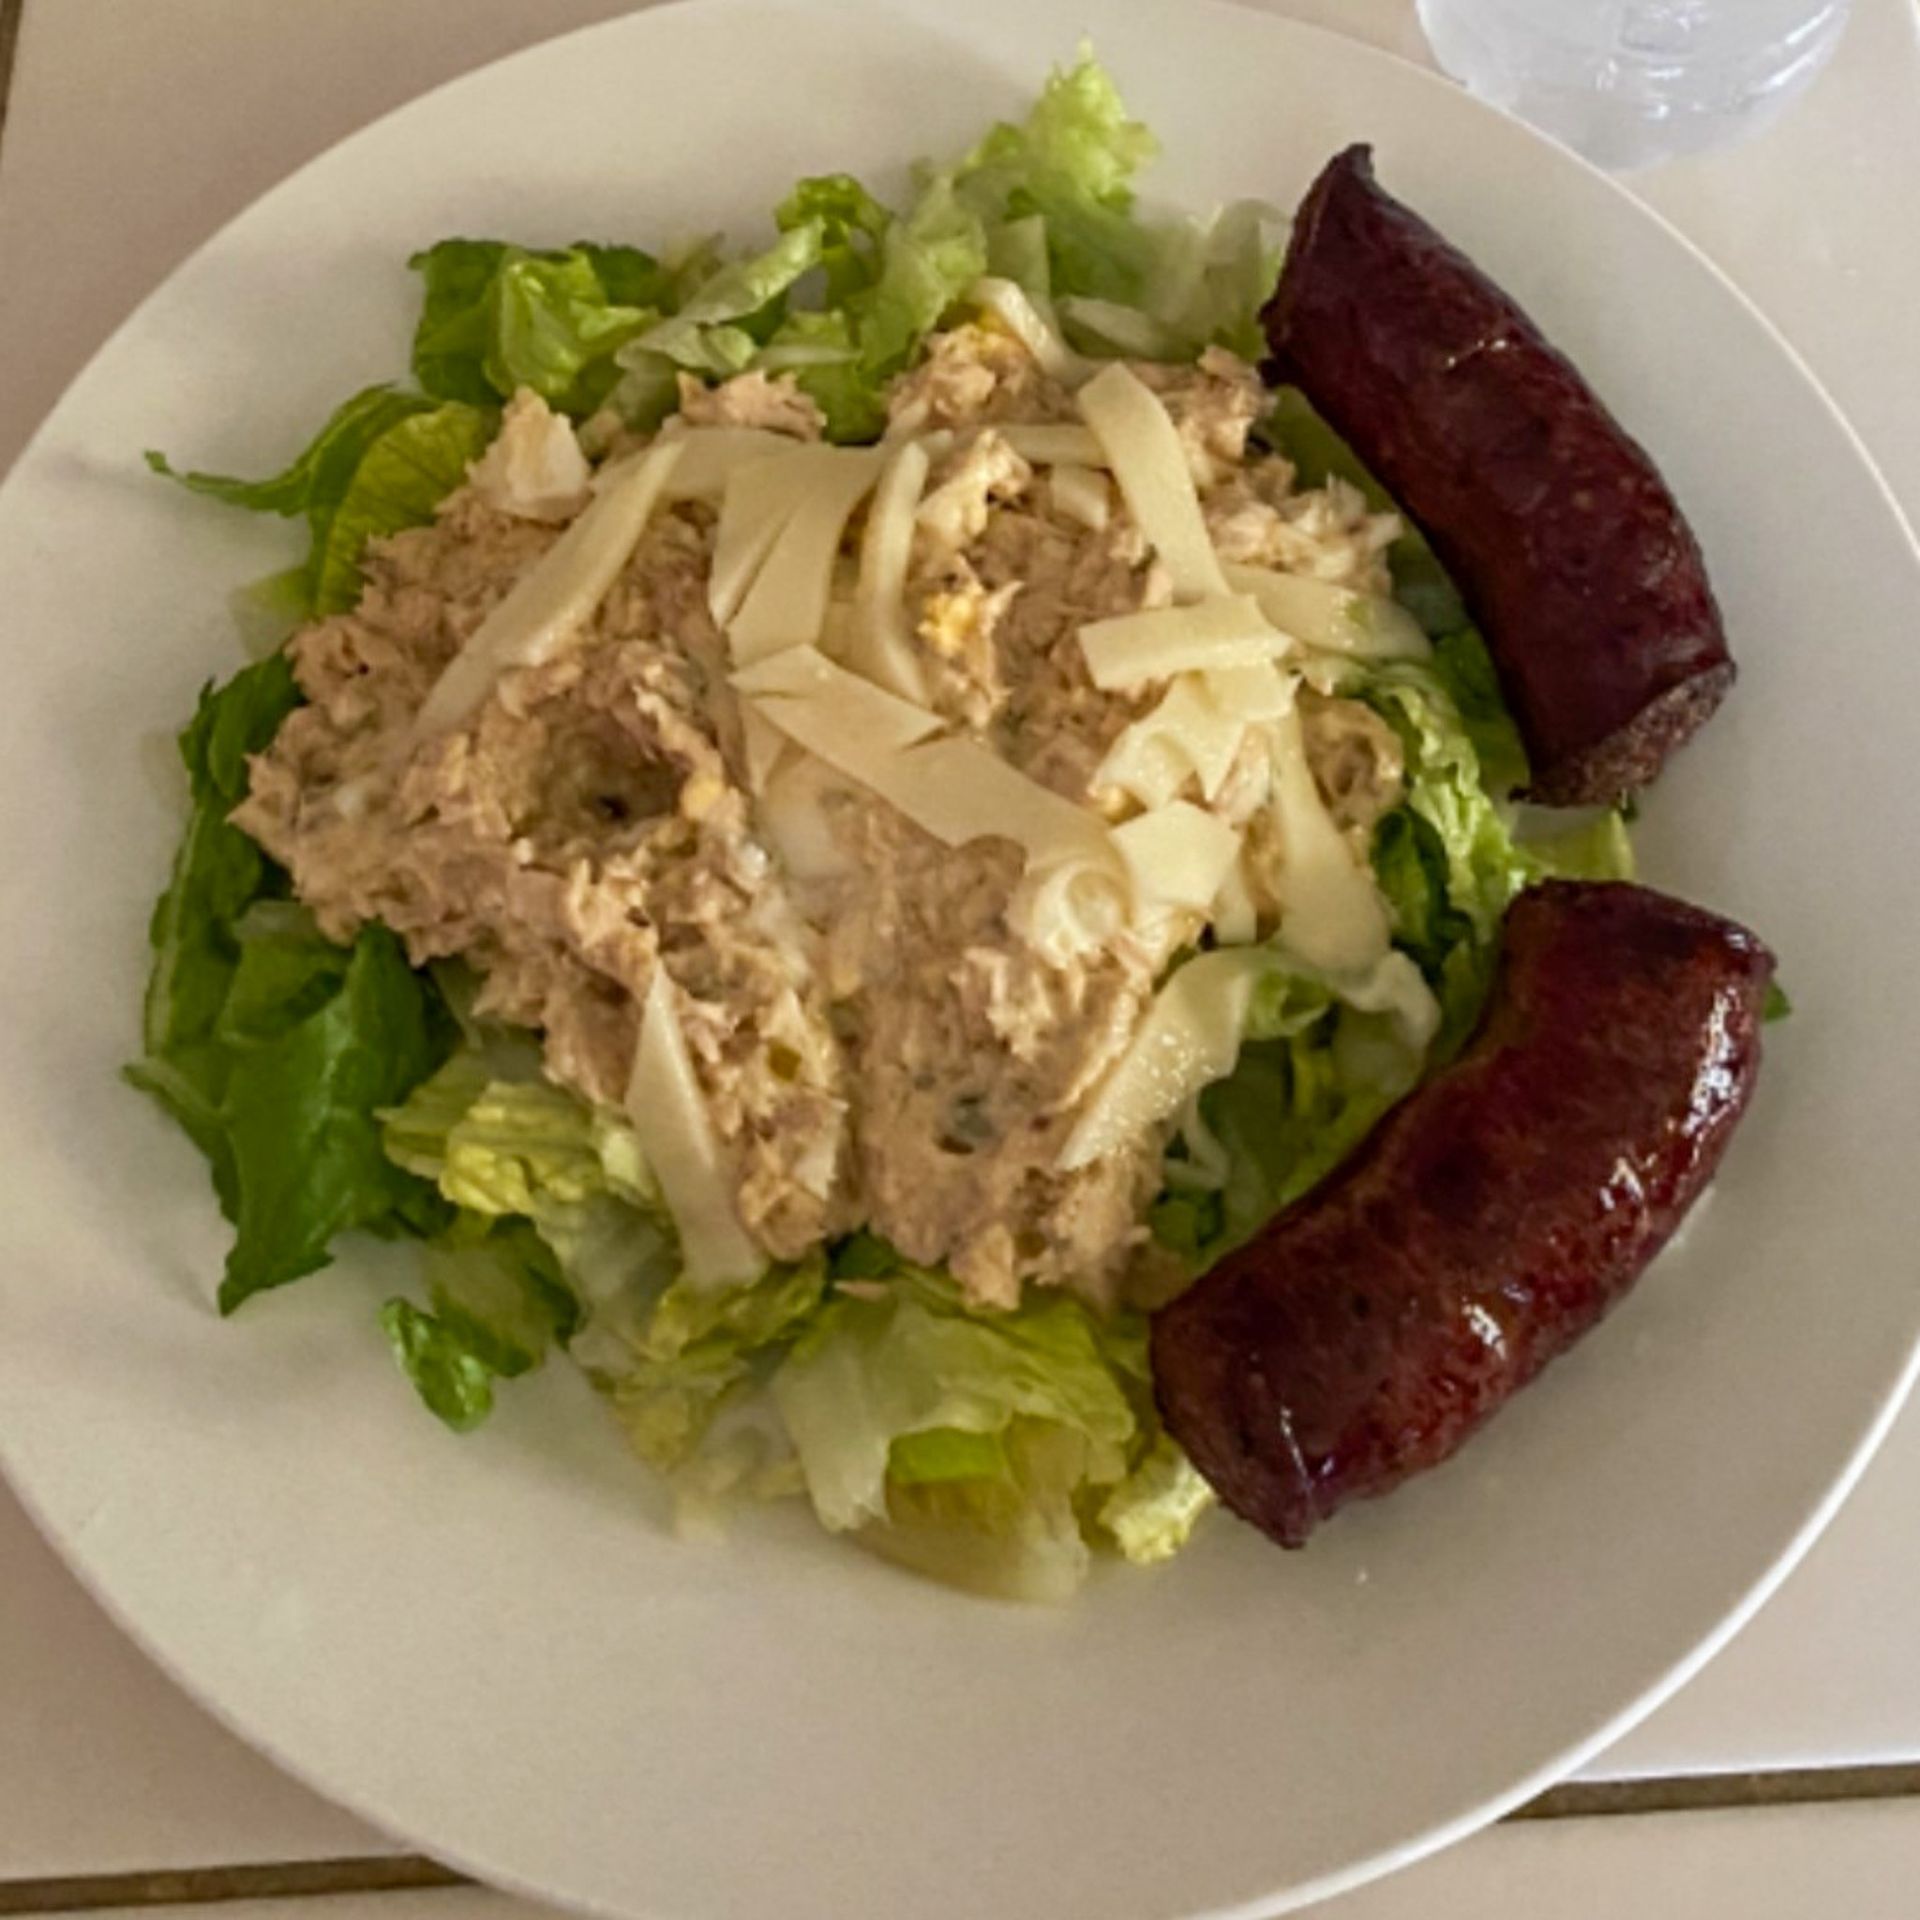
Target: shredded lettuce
991 1448
1314 1076
574 1248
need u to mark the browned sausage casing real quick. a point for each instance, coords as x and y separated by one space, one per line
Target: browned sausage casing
1562 537
1493 1217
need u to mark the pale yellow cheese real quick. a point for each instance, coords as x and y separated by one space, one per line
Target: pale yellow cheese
1080 493
759 499
1190 1038
1133 648
1143 448
1331 913
1178 855
1333 619
881 644
787 604
552 604
669 1115
1044 444
713 455
841 716
1032 323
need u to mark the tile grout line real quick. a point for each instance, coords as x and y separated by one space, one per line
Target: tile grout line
199 1886
10 15
403 1873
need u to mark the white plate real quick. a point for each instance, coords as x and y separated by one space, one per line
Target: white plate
488 1645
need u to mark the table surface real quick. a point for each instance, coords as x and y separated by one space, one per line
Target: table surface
1788 1772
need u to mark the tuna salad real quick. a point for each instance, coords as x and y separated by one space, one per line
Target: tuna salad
828 829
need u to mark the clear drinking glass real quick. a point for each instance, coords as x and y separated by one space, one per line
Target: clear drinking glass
1630 82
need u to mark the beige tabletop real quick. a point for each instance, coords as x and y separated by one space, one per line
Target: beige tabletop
1779 1784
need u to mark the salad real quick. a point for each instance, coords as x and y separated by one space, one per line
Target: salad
827 827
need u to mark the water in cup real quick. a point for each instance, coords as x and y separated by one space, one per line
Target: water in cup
1630 82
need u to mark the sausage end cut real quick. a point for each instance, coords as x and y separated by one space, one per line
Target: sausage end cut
1565 542
1493 1217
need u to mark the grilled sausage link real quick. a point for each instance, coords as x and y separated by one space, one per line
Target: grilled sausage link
1490 1220
1562 537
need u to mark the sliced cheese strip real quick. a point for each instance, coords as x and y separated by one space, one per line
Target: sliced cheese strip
959 790
787 604
1080 493
881 645
1331 913
1178 855
1032 323
715 454
1263 692
555 600
1145 764
844 718
1333 619
1143 448
669 1114
1234 917
1043 445
1207 732
1137 647
761 497
765 746
1190 1038
1189 735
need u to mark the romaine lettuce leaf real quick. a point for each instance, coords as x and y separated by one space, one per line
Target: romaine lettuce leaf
1073 162
988 1448
268 1044
536 1161
454 1381
718 328
497 318
300 1118
891 280
871 1372
384 461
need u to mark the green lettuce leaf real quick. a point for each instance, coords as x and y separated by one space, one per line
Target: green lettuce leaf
873 1371
497 318
718 328
384 461
990 1449
1072 162
217 870
541 1165
268 1044
1314 1077
499 1286
1152 1513
300 1114
1599 849
1292 1109
455 1382
891 282
852 225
